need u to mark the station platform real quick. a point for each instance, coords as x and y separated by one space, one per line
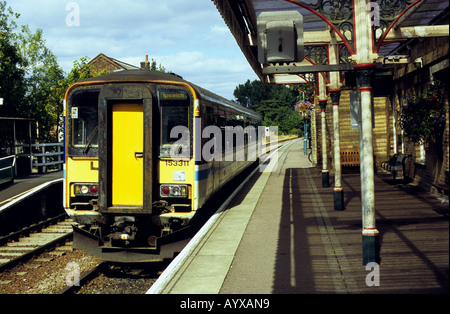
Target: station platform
281 235
26 184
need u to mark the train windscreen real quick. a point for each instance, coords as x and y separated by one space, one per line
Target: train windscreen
84 122
175 132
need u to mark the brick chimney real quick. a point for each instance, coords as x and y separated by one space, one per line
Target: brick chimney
145 65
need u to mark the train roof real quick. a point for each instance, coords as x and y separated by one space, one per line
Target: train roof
141 75
136 76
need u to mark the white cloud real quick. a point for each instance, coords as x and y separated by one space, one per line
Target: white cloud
186 37
220 74
219 29
193 61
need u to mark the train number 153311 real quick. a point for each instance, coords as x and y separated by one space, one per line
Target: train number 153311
177 163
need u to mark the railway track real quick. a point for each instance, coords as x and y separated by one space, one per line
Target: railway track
28 242
112 278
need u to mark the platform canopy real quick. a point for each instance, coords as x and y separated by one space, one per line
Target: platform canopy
328 22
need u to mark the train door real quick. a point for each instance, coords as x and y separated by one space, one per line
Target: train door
126 167
127 154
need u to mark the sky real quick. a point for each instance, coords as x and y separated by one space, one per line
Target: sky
188 37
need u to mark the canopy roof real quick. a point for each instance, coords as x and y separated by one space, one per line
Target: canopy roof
397 22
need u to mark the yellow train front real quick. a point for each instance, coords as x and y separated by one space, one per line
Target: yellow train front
134 170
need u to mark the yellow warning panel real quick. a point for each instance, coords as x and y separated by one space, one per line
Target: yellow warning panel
127 154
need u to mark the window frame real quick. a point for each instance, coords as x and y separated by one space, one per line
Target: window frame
189 105
79 150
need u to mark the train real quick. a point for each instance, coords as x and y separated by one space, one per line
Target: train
144 151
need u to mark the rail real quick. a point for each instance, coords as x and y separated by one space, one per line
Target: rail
52 232
43 155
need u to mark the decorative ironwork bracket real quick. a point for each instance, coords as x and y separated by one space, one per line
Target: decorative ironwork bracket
295 69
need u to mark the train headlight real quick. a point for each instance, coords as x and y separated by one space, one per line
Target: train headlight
174 190
85 189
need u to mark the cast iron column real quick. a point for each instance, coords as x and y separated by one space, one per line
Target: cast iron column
305 134
370 234
325 172
338 190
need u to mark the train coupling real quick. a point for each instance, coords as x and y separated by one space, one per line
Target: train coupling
123 230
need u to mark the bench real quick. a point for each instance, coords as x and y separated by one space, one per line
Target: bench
350 157
395 163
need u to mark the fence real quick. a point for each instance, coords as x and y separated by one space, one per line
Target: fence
7 169
40 156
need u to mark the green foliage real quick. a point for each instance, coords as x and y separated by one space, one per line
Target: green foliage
12 74
6 13
275 104
423 116
28 72
43 73
295 132
250 94
156 67
81 70
291 122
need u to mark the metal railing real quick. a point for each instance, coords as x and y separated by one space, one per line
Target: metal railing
43 155
7 168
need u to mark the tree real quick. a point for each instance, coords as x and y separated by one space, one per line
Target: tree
28 73
275 104
290 122
155 67
251 93
42 74
12 84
